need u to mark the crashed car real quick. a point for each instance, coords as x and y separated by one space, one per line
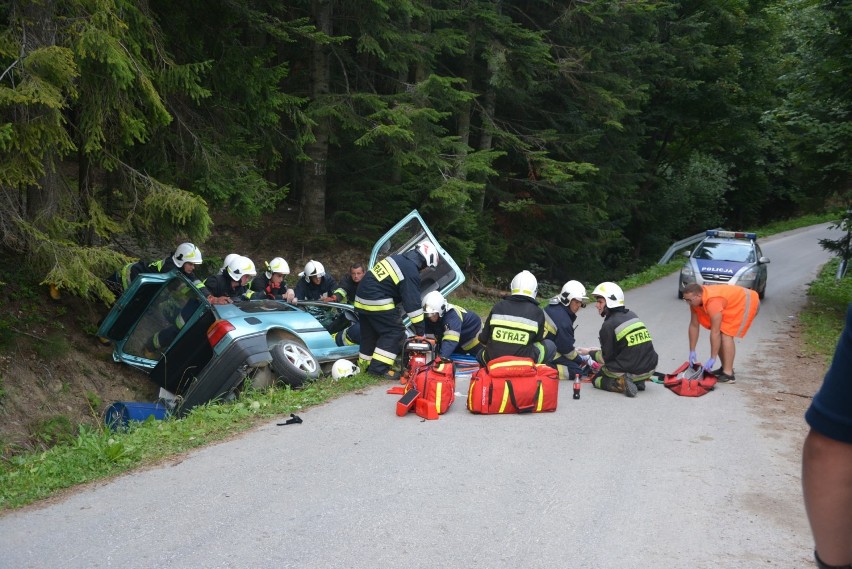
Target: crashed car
215 348
726 257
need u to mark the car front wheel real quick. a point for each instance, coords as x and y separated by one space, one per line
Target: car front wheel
294 363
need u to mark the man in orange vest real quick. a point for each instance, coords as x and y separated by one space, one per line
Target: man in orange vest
727 311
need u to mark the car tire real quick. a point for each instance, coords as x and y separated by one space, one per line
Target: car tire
294 363
680 294
761 293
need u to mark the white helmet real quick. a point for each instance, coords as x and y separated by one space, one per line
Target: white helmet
240 267
525 284
572 290
429 252
277 265
434 302
343 368
228 258
314 269
610 292
186 253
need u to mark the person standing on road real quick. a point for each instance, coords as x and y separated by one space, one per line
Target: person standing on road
727 311
627 354
515 326
393 281
827 460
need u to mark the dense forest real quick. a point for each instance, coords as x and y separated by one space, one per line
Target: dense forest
570 137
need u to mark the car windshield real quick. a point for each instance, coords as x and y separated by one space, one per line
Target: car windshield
726 251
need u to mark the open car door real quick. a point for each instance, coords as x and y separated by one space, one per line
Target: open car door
161 319
402 237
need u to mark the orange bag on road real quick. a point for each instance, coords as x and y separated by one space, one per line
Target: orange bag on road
690 381
436 385
513 385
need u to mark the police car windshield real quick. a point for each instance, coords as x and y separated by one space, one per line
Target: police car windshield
726 251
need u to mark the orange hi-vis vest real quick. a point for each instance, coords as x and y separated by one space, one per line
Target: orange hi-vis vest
738 306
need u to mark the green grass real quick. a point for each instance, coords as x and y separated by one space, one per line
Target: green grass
823 317
94 454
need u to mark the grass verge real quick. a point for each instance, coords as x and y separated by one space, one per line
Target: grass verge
823 317
96 454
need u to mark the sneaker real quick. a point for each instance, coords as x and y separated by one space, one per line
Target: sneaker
723 377
630 388
640 385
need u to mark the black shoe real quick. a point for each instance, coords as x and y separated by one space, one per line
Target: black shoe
723 377
630 388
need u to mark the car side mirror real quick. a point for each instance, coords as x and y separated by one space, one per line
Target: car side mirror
686 253
763 260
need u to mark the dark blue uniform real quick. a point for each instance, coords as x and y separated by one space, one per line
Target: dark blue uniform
392 282
560 328
306 290
457 332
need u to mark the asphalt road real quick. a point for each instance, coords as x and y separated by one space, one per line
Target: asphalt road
604 482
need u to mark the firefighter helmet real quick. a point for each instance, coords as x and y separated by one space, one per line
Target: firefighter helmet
186 253
573 290
525 284
610 292
228 258
434 302
277 265
343 368
313 269
240 267
429 253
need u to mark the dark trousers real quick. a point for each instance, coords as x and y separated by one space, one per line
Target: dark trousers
382 335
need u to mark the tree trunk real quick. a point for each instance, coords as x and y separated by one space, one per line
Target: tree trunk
314 170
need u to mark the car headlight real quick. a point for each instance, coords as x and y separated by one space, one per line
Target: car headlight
686 272
749 275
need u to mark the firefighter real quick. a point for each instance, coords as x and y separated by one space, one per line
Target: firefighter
351 335
271 284
455 329
392 282
349 285
315 284
560 314
184 259
233 283
627 354
515 326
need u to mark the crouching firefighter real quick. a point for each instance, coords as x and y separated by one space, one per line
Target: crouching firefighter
393 281
561 313
627 354
455 329
516 324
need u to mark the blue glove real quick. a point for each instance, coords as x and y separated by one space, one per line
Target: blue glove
709 365
692 357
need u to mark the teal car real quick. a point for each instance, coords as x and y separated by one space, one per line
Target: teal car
215 348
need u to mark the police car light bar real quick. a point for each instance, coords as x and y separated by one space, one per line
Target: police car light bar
731 234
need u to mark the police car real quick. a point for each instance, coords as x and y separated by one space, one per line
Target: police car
726 257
